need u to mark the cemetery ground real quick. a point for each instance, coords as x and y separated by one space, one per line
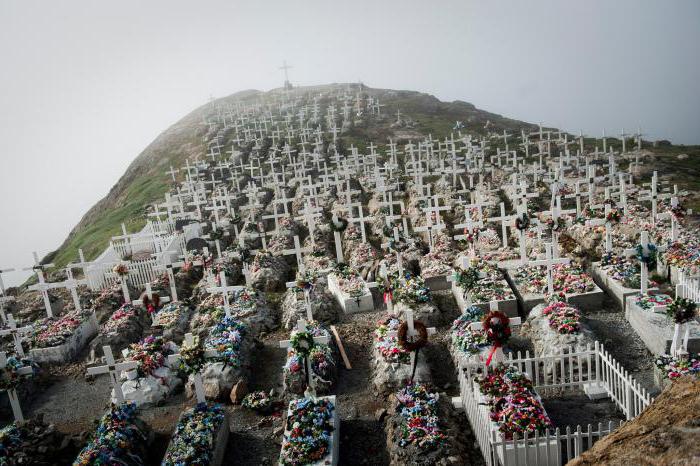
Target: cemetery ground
69 400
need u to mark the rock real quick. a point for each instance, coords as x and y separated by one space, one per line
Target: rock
323 305
666 431
238 392
380 414
151 390
546 341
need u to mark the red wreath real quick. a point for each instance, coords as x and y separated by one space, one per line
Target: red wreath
415 345
496 326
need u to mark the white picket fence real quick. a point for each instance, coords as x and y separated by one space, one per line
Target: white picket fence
154 238
569 370
100 274
688 287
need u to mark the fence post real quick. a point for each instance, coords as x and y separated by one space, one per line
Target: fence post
629 402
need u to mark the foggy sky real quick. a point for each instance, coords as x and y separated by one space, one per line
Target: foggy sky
86 85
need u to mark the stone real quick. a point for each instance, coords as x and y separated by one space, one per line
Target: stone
238 391
547 341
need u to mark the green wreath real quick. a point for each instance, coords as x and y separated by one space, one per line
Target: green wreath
302 343
649 258
340 226
681 310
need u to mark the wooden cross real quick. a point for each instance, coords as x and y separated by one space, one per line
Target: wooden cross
17 334
310 382
338 242
361 219
113 369
309 216
4 298
498 355
197 376
549 262
12 392
297 251
42 287
224 289
411 336
643 268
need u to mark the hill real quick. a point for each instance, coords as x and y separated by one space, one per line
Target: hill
145 180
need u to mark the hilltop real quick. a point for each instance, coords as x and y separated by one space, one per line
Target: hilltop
145 180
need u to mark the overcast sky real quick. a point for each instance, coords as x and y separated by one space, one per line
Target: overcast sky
86 85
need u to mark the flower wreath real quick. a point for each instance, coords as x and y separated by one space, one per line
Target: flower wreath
496 325
412 345
522 222
649 258
681 310
191 358
613 216
304 281
121 270
467 278
302 343
338 226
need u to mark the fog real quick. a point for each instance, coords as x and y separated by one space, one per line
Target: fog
85 85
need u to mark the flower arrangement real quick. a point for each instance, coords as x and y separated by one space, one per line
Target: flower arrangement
620 269
121 269
649 302
569 279
496 326
353 233
262 260
225 338
674 367
318 260
305 281
207 316
10 442
244 301
464 339
169 315
613 216
9 375
320 357
388 345
362 254
54 331
684 255
119 319
197 258
512 402
150 354
309 429
563 318
194 436
410 290
349 281
110 296
257 401
681 310
119 439
192 358
420 425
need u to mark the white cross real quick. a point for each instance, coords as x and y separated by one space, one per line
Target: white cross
643 268
12 393
505 220
361 219
149 293
17 334
311 383
297 251
4 299
549 262
309 216
498 355
224 289
71 284
113 369
42 287
167 267
196 377
338 242
411 335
